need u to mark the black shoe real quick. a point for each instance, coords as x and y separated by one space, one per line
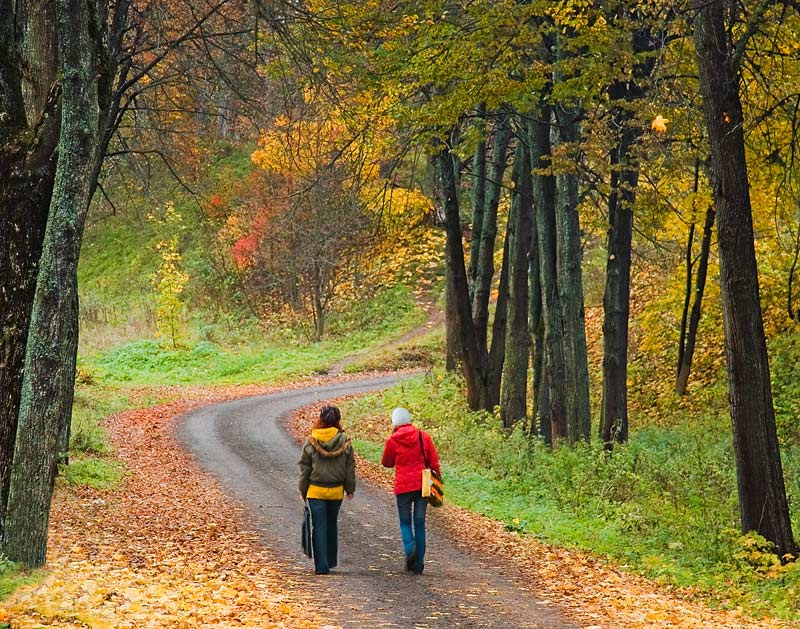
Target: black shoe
322 572
411 560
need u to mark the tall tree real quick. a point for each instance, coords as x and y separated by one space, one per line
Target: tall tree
29 125
513 401
762 495
690 321
472 362
46 401
569 252
623 96
31 110
485 263
552 396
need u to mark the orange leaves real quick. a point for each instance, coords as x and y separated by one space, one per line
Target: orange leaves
166 551
659 124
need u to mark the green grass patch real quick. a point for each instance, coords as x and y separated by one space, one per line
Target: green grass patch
423 352
663 505
148 362
97 472
12 577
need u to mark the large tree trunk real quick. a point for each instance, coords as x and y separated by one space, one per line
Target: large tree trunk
689 335
46 399
616 298
38 49
23 217
472 362
513 401
569 274
485 268
27 171
762 495
552 412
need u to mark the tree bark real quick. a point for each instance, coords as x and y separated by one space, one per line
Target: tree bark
38 51
616 297
552 412
27 172
535 322
22 224
689 339
569 275
485 266
762 495
497 353
478 200
472 362
513 401
46 398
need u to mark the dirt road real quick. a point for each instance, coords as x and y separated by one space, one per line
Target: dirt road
244 445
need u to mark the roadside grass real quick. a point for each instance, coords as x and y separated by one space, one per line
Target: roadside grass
423 352
277 359
664 505
13 576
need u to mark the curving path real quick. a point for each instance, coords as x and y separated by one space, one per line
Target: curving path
244 445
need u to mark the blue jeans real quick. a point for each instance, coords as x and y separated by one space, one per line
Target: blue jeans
411 509
325 535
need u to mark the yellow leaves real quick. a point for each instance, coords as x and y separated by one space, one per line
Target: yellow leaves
659 124
162 520
169 281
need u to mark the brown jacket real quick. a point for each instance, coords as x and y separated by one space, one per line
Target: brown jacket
327 461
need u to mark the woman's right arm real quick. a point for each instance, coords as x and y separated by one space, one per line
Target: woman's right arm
387 460
305 470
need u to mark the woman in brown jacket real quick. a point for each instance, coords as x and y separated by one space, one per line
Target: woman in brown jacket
327 473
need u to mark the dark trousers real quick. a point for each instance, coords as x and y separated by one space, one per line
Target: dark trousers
411 509
325 536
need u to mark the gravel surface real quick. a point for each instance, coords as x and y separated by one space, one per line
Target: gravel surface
244 444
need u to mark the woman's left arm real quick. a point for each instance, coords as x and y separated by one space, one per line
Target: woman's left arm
350 472
433 455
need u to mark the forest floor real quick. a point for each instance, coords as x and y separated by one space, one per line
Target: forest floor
170 549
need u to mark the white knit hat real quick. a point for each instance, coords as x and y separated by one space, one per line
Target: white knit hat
400 416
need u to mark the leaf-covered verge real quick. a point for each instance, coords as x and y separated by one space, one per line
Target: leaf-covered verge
663 505
590 589
164 549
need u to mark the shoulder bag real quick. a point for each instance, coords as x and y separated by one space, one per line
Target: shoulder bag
432 485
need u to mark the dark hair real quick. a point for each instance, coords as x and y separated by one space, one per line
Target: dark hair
330 416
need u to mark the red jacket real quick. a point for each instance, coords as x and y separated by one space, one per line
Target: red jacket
402 451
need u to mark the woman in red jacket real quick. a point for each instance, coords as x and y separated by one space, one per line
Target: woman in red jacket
403 451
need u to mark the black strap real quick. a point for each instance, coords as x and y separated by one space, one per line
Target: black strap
422 447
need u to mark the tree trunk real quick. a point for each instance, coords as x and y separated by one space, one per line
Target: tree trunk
513 406
535 322
552 413
497 353
570 286
52 342
452 347
453 353
317 304
27 171
485 267
38 51
616 298
472 363
478 200
762 495
690 338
